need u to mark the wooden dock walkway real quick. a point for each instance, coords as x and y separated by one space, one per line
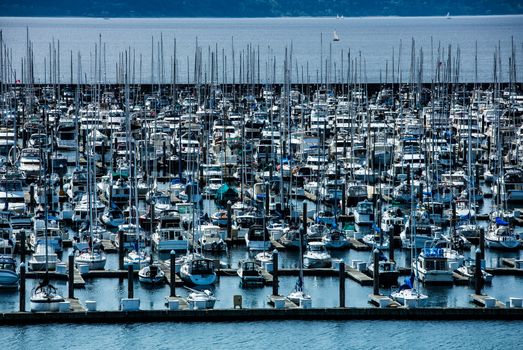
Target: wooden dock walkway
75 306
486 301
167 270
358 276
108 247
182 302
383 301
288 304
357 245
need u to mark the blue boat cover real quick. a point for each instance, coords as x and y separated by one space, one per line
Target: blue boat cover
501 222
433 252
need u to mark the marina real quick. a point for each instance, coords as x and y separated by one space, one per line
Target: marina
223 196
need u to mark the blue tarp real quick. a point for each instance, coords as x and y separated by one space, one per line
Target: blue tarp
501 222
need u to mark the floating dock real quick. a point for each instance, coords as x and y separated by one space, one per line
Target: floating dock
259 314
486 301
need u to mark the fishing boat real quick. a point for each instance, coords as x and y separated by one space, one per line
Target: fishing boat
250 274
8 276
151 274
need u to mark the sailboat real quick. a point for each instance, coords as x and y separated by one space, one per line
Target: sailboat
90 256
45 296
298 296
407 294
335 36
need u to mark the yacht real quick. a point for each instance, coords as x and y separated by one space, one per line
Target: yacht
363 219
316 256
94 259
210 239
432 266
257 238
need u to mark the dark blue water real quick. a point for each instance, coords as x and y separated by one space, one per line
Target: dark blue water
269 335
374 38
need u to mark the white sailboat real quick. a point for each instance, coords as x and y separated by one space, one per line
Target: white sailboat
335 36
45 297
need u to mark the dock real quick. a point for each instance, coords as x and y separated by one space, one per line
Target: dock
486 301
75 306
178 281
274 299
383 301
108 247
262 314
357 245
182 302
358 276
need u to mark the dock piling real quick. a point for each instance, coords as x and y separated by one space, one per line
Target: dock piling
342 283
229 220
478 277
391 244
376 273
173 273
482 242
130 281
275 272
70 276
22 287
22 246
120 250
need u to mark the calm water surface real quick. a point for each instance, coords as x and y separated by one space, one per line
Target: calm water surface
374 38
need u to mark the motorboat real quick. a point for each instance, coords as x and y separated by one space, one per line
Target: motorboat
43 256
151 274
201 299
8 276
198 270
432 266
138 259
316 256
468 270
257 238
210 239
250 274
387 271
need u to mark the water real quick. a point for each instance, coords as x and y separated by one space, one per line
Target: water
261 335
374 37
